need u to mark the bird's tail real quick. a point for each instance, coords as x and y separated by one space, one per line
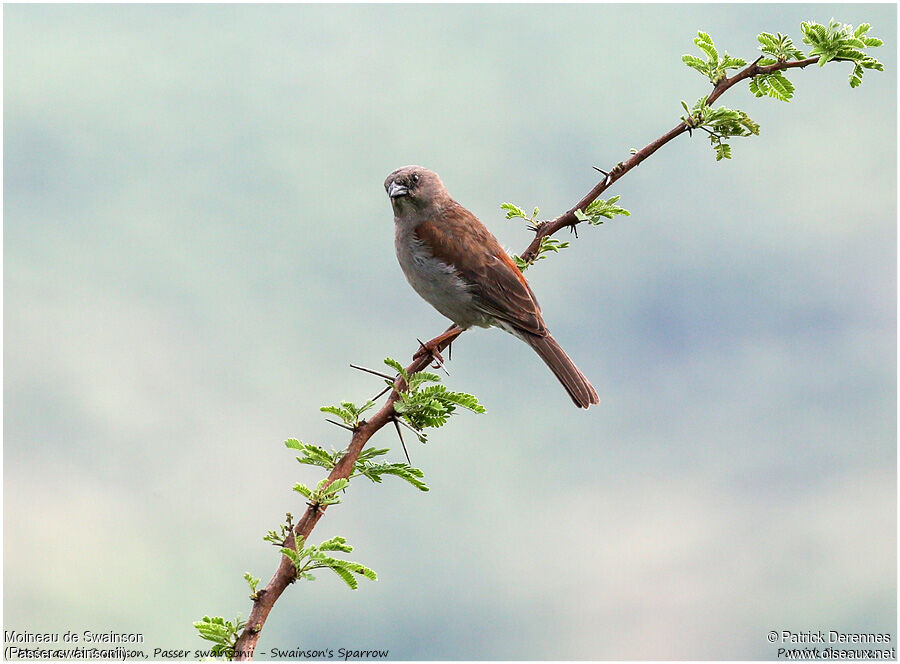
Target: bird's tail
578 387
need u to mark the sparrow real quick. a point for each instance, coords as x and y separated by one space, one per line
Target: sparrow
456 264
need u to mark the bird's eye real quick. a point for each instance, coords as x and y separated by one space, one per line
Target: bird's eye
415 177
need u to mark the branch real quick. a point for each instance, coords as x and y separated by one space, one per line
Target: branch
568 218
265 598
286 572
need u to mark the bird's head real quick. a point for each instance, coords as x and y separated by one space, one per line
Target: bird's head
413 188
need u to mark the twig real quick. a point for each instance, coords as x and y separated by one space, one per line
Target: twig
568 218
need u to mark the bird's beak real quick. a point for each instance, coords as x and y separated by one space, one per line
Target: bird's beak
397 190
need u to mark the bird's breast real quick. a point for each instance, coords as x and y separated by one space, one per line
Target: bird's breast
435 281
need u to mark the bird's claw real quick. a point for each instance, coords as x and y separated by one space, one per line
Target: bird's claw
431 350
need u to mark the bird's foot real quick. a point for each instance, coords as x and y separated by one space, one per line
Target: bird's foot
431 349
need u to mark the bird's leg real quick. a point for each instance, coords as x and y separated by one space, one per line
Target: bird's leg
432 347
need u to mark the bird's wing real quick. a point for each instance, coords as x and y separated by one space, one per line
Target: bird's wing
458 238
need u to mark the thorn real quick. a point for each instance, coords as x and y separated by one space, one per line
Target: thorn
342 426
606 176
382 393
407 425
397 427
373 372
435 355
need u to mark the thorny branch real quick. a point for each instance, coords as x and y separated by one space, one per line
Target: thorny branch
285 574
569 220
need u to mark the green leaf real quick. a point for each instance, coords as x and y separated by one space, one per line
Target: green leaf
779 46
221 632
314 557
421 377
730 62
403 471
758 86
705 44
723 151
313 455
842 42
252 581
346 576
335 544
430 407
513 211
285 529
695 63
335 486
370 453
396 366
348 411
602 209
362 570
374 471
340 412
780 87
520 262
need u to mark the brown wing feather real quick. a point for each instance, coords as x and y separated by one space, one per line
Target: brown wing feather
499 286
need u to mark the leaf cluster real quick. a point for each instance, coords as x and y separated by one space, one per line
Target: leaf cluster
842 42
252 581
324 494
515 212
309 558
365 465
775 85
286 528
780 47
728 121
348 411
836 41
714 68
547 245
422 406
223 633
720 123
600 209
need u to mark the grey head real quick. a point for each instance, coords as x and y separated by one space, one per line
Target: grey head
414 188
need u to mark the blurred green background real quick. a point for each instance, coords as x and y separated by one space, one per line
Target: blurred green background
197 243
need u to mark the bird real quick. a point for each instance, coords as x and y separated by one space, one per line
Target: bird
457 265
